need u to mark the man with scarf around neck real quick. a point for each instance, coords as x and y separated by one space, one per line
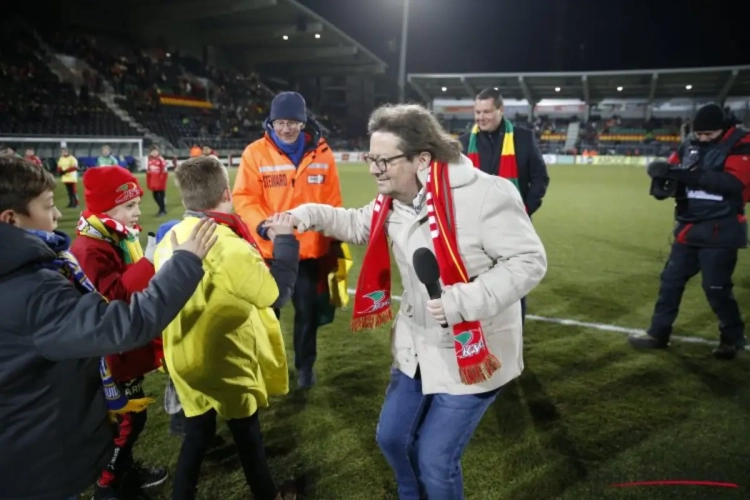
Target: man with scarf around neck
443 379
56 434
291 165
225 353
497 147
709 178
110 254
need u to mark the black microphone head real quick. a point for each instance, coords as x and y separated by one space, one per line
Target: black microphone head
426 266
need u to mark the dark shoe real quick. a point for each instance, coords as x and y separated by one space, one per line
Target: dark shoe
146 477
131 488
105 493
646 341
727 351
306 379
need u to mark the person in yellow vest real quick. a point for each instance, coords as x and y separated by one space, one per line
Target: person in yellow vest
67 166
225 353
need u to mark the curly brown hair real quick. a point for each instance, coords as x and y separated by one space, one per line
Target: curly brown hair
418 130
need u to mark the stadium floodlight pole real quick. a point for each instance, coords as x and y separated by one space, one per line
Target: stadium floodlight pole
402 57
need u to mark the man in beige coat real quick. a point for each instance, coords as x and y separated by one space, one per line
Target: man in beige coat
436 396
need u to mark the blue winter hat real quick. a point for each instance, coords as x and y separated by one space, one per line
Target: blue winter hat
289 106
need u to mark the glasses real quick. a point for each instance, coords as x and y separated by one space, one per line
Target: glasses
382 163
282 124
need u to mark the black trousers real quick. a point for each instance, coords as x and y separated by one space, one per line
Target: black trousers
160 199
716 266
72 190
129 428
304 300
199 432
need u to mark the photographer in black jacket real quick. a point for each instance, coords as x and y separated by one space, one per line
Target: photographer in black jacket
709 177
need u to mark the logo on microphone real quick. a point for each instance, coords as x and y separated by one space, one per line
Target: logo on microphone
469 348
379 300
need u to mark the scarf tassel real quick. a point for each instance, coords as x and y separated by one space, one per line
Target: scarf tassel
371 320
481 372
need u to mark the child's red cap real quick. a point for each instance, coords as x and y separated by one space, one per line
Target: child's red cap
107 187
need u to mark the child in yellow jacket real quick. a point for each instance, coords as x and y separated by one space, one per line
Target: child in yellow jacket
224 352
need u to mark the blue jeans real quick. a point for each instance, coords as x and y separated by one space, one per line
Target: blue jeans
423 437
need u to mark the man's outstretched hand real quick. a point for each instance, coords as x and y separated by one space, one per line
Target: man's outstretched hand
201 239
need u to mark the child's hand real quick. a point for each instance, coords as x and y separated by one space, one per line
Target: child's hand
201 239
281 224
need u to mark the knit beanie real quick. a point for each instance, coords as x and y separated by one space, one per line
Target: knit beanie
104 188
289 106
708 118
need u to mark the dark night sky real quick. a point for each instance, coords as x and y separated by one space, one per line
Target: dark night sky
547 35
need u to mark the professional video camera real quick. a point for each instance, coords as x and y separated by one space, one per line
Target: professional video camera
663 187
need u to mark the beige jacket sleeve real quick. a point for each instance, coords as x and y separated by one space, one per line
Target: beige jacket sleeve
350 225
509 239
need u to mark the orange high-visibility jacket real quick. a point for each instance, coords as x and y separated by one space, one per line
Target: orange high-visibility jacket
268 183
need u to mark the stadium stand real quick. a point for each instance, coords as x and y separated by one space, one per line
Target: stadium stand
139 88
609 112
118 87
34 101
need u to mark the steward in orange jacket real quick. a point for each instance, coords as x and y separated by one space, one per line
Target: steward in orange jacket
291 165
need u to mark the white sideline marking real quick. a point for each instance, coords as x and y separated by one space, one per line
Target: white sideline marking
597 326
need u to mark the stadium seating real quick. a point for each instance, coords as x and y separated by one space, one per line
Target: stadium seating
184 101
33 100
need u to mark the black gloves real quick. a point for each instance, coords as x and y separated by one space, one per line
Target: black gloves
658 168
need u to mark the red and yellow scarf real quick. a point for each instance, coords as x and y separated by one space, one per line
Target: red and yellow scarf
372 301
103 227
508 168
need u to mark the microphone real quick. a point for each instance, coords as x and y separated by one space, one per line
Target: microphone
427 269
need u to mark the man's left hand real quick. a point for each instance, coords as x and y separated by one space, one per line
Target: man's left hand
658 168
435 308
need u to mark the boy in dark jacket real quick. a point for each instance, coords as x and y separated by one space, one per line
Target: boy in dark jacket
111 256
55 435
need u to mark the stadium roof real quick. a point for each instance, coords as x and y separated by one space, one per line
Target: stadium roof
715 83
273 33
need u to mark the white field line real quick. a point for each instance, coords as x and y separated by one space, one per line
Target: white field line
603 327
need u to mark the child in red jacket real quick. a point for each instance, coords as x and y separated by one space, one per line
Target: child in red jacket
110 254
156 179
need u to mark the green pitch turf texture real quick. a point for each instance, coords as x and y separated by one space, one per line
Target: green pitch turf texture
587 412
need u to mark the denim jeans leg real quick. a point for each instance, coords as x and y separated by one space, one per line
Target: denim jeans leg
399 418
442 437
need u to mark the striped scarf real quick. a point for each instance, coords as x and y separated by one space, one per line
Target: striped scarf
372 301
105 228
67 265
508 168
